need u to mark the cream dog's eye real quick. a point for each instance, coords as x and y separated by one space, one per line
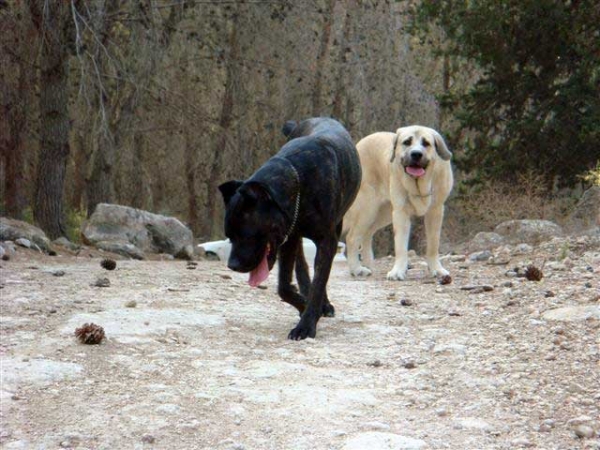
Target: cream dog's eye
425 143
407 141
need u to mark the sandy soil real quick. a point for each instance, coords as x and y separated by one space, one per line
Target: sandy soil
195 359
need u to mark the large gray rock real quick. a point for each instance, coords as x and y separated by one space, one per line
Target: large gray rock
485 241
586 215
148 232
119 247
530 231
11 230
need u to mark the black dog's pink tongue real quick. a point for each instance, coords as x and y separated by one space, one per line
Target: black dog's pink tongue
261 272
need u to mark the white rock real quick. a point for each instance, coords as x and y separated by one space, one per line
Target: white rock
37 371
573 313
23 242
473 423
375 440
127 322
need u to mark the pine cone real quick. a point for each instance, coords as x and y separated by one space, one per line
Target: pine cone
109 264
90 334
532 273
446 279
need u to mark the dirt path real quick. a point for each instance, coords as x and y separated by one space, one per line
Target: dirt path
195 359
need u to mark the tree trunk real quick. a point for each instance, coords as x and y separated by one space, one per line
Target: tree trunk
345 50
190 182
317 93
16 84
54 25
213 227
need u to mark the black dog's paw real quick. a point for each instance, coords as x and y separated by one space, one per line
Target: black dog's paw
328 310
302 332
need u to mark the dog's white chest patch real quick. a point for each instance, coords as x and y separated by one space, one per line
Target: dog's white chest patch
419 205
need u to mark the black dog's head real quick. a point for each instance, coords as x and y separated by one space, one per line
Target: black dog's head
255 226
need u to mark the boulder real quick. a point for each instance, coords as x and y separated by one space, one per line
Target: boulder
529 231
586 215
485 241
13 230
64 242
121 247
131 232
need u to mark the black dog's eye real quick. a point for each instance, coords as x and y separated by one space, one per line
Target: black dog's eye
407 141
425 143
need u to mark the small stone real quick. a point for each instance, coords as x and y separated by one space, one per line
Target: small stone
588 285
225 276
442 412
131 304
549 294
59 273
263 287
584 431
148 439
521 442
375 363
409 364
522 249
23 242
406 302
102 282
480 256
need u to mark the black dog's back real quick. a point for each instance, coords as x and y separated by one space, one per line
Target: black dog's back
322 149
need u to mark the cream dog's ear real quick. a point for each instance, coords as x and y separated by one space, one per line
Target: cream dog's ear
394 144
441 147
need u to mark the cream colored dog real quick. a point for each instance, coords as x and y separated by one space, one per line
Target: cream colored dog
405 174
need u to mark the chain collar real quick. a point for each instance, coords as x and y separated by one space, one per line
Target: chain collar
297 208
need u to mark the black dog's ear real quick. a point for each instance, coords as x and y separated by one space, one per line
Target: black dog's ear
289 127
255 191
229 189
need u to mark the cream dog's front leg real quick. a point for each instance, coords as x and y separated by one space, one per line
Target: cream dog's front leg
433 230
401 221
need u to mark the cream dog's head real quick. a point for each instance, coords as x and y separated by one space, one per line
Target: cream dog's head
419 147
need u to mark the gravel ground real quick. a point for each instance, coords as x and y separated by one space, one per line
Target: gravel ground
195 359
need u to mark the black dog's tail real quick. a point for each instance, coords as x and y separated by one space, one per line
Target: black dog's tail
289 127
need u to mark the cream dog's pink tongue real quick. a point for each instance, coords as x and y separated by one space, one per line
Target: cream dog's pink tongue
415 171
261 272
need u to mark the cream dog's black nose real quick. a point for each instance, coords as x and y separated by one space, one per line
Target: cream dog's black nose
416 155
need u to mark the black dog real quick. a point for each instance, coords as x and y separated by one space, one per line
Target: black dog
302 191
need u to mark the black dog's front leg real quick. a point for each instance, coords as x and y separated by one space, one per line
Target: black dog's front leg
287 292
303 278
307 327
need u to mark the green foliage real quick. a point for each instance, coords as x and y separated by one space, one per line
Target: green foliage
74 221
536 104
592 176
